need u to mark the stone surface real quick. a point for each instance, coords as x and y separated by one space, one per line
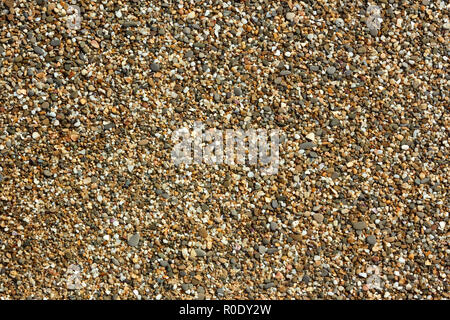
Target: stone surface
88 123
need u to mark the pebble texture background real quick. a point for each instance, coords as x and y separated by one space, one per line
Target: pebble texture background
86 176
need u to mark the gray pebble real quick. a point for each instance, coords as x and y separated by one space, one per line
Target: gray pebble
220 292
334 122
273 226
38 50
331 70
307 145
134 240
360 225
339 22
109 126
128 24
115 261
262 249
306 278
290 16
164 264
155 67
274 204
371 239
200 252
185 287
55 42
269 285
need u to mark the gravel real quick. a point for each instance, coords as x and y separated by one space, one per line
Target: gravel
87 120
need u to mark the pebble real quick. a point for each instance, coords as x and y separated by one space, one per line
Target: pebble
262 249
360 225
115 261
318 217
38 50
200 253
273 226
134 240
155 67
307 145
220 292
290 16
331 70
55 42
185 287
48 174
371 240
274 204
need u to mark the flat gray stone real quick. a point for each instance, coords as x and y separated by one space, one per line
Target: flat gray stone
200 252
155 67
360 225
134 240
307 145
55 42
371 239
38 50
331 70
262 249
274 204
